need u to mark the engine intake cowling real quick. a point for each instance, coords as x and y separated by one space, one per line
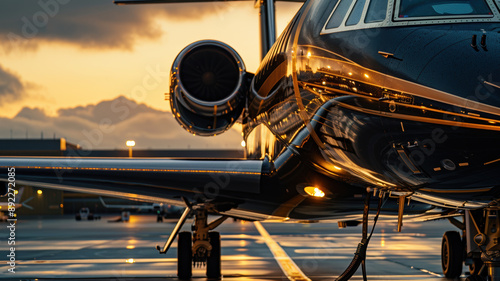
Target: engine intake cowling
208 87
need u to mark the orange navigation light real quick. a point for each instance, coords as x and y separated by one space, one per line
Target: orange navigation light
314 191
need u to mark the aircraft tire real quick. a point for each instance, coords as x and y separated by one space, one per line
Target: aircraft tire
451 254
214 260
184 255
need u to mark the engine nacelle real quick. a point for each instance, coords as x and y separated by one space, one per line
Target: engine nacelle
208 87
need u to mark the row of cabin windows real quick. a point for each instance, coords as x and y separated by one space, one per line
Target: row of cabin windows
375 13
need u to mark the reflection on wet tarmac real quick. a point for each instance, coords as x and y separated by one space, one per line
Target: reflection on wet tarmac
64 248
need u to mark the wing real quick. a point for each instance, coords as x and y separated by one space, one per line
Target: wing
150 180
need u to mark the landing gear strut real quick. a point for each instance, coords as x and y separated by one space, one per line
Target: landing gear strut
481 240
200 248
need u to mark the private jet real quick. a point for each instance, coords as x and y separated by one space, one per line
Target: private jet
13 203
358 107
161 210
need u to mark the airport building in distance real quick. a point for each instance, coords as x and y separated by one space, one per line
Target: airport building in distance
56 202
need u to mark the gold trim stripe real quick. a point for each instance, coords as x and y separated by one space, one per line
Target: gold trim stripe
470 115
456 190
285 208
491 162
398 84
133 170
422 119
275 76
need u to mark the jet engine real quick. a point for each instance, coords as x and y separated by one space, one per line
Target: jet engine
208 87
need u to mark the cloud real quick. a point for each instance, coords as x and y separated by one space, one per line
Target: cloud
32 114
109 124
11 86
89 23
116 110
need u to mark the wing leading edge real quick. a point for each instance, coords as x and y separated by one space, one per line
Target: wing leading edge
150 180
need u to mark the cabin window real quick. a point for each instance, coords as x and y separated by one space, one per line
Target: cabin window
356 13
376 11
339 14
443 8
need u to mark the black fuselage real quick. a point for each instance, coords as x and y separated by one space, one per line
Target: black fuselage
340 104
400 108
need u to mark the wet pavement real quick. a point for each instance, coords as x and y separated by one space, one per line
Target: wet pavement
62 248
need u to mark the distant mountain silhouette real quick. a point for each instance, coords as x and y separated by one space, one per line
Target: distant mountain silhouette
108 124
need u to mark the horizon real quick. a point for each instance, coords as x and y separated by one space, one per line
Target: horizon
61 56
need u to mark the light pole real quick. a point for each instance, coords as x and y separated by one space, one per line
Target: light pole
130 144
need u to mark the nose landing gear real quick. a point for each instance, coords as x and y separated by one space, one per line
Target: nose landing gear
200 248
187 258
479 247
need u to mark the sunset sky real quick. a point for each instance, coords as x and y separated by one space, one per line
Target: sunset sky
61 59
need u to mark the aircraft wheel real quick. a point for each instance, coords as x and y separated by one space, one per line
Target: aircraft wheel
184 255
214 260
451 254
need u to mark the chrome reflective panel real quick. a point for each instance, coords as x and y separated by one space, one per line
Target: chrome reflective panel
396 105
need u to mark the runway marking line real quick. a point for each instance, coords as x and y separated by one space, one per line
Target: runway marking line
291 270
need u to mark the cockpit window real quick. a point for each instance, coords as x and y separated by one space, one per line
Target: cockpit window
356 13
444 8
348 15
376 11
339 14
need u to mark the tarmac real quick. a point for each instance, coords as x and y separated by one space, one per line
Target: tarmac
63 248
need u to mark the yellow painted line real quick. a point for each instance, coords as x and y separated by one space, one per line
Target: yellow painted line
291 270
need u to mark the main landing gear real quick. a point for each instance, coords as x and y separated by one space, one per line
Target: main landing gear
199 248
479 246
